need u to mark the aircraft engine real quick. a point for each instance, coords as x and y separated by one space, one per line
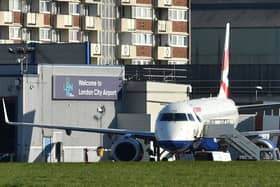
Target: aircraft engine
127 149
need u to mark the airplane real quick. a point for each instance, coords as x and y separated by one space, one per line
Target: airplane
179 125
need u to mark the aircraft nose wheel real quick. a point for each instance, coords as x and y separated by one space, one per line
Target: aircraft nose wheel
154 154
157 151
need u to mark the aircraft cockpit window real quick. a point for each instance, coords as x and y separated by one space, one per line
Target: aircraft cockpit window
166 117
174 117
190 116
198 118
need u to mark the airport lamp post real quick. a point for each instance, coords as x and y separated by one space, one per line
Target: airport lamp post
101 111
21 53
257 89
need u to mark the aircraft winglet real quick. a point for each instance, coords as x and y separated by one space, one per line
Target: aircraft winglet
223 92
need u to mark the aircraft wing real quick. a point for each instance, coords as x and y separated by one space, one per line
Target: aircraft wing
256 107
138 134
255 133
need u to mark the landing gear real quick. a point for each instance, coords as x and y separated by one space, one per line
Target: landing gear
155 153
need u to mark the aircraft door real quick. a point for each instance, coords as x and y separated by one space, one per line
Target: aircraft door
47 147
58 151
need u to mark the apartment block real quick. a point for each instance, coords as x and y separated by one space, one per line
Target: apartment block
154 32
119 31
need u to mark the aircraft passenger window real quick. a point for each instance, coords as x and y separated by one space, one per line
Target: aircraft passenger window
174 117
190 116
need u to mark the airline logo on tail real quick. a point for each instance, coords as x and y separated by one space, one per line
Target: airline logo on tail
225 67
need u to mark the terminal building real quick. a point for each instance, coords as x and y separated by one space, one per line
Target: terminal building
75 95
58 94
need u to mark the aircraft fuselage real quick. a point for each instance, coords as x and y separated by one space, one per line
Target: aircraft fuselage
179 124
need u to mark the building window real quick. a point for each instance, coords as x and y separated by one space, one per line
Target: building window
142 39
25 34
15 5
45 6
74 8
74 36
85 36
142 12
56 35
91 10
177 40
15 33
30 35
177 15
45 34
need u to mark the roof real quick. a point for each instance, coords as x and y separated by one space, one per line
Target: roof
245 13
237 18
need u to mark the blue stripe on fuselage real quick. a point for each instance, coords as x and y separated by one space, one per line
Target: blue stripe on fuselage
209 144
174 146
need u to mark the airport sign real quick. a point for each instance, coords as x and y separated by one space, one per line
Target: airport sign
86 87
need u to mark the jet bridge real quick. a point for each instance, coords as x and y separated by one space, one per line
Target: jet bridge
247 149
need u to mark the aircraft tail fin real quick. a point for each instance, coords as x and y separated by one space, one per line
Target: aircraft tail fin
223 92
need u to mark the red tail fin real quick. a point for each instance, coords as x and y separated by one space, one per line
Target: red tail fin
225 67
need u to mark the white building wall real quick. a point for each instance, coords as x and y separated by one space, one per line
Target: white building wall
159 94
150 97
39 107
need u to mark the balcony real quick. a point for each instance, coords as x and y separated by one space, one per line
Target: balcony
164 53
128 25
74 1
172 3
136 25
175 27
164 3
95 50
181 3
172 53
66 21
37 20
3 41
136 2
91 1
132 51
6 18
91 23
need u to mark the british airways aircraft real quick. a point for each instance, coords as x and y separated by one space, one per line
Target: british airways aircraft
178 126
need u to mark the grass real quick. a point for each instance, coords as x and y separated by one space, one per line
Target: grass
142 174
